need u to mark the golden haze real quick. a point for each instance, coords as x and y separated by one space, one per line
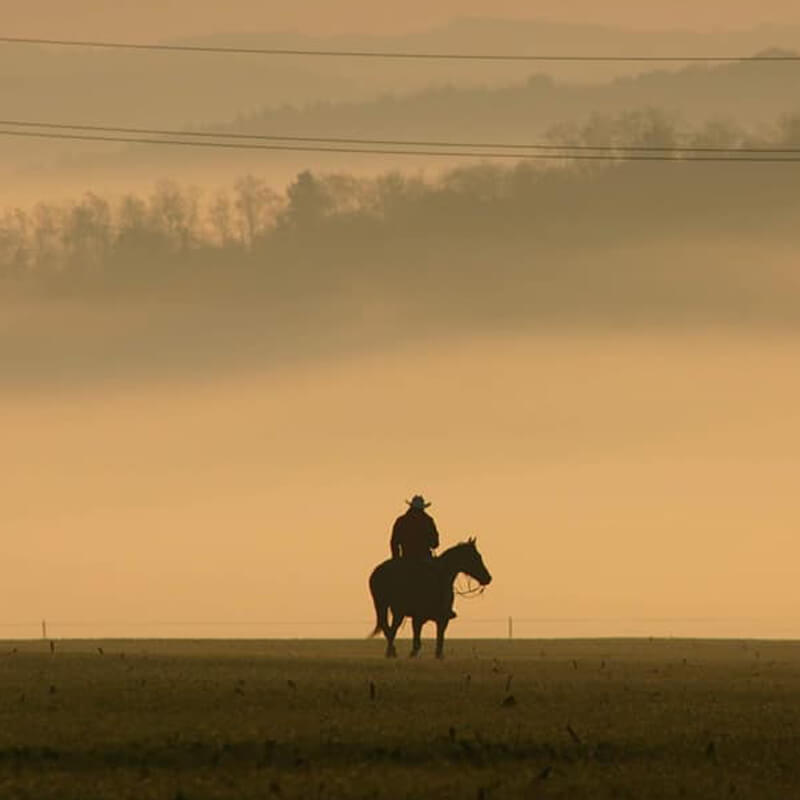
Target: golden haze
609 479
171 18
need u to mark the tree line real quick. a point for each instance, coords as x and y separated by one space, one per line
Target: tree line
323 229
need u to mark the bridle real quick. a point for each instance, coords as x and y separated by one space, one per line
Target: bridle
471 592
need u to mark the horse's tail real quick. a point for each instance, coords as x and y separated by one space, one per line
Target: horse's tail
381 609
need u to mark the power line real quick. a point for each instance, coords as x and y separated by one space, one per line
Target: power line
389 54
549 156
401 142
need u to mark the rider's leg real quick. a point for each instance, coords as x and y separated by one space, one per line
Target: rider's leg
453 614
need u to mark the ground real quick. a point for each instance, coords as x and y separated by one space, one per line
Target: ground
496 719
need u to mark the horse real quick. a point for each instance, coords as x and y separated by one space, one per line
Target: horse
422 591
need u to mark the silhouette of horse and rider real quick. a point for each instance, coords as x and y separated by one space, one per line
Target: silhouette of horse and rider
414 583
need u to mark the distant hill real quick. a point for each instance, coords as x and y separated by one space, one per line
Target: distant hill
408 99
752 95
126 87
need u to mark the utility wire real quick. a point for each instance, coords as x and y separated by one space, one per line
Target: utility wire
399 142
387 54
550 156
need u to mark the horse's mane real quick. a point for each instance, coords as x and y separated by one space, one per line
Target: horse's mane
456 546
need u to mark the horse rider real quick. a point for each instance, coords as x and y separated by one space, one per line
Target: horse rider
414 534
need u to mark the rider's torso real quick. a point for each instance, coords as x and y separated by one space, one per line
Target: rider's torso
415 532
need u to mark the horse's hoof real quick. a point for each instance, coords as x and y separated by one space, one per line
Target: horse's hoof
413 654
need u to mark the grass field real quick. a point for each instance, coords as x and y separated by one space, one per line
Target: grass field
313 719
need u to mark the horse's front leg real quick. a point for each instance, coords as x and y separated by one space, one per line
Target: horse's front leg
441 627
397 620
416 626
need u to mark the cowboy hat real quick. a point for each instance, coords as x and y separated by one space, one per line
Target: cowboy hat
418 502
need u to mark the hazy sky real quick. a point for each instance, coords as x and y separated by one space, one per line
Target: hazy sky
169 18
643 483
608 478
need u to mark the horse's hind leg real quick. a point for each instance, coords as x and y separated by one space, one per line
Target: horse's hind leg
391 632
416 625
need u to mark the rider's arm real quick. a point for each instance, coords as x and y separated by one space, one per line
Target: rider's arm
434 535
395 540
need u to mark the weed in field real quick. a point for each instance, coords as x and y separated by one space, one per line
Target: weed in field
221 719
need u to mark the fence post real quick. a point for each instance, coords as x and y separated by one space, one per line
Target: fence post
510 628
44 629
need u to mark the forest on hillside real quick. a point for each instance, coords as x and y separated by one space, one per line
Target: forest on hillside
516 238
410 100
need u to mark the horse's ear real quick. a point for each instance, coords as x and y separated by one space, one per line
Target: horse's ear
472 540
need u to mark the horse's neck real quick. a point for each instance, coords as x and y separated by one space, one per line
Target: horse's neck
448 563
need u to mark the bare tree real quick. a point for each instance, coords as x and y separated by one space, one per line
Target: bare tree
15 246
255 204
220 215
86 234
47 226
176 214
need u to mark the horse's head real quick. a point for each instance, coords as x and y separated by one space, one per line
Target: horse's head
472 562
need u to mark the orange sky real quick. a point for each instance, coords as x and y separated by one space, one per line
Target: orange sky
610 479
169 18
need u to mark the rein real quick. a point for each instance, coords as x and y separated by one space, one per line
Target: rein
471 592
